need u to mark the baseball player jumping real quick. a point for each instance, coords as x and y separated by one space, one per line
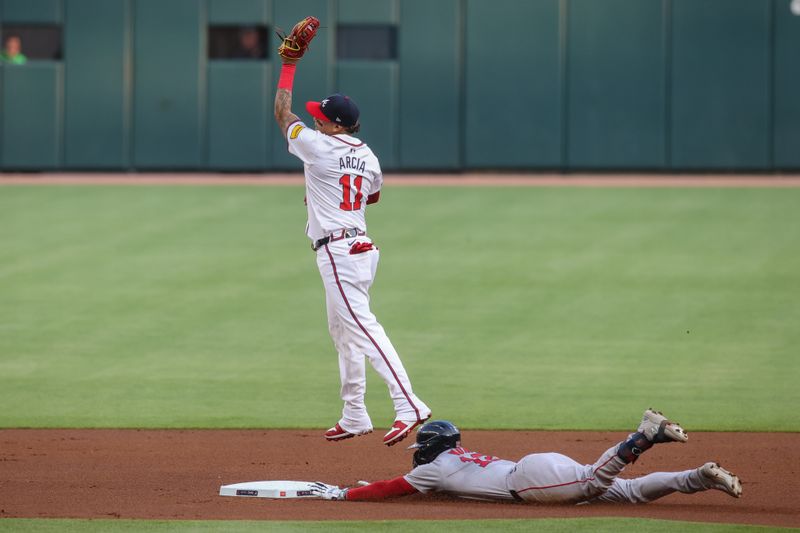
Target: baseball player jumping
342 177
442 465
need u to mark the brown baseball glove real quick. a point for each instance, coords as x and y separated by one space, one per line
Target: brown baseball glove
296 43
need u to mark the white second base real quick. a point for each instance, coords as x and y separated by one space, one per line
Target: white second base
268 489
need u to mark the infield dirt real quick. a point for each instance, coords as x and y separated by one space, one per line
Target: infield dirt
176 474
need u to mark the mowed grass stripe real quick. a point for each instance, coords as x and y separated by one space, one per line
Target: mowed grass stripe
511 308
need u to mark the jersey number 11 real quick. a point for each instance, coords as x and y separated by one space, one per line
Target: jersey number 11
346 193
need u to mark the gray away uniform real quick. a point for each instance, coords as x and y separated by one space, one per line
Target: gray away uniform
546 478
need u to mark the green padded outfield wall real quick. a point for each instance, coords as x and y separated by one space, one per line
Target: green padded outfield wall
240 128
234 12
240 124
616 114
720 84
31 11
514 104
430 55
575 85
169 84
31 103
97 119
31 96
786 97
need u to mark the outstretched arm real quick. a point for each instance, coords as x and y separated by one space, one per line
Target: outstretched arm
283 98
379 490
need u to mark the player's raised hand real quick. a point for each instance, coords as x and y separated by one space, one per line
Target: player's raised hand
294 45
328 492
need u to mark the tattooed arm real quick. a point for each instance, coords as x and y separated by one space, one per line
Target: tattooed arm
283 109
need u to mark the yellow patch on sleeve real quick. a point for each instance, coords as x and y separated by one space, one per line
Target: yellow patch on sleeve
296 131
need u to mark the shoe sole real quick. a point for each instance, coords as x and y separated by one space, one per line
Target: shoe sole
405 433
726 481
341 437
346 436
672 431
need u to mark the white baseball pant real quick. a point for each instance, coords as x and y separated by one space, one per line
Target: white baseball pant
357 334
556 478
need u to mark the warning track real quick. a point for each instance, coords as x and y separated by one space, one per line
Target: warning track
422 180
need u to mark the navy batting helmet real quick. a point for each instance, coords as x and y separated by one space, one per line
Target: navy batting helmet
433 438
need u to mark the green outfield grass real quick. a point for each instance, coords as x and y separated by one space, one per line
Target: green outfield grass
596 525
556 308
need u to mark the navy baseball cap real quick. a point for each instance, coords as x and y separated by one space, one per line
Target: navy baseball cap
335 108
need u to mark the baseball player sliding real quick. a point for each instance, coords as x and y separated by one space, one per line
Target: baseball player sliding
442 465
342 177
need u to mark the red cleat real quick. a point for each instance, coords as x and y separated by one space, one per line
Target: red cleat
337 433
400 430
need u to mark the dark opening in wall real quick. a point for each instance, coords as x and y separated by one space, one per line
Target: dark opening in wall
372 42
238 42
21 43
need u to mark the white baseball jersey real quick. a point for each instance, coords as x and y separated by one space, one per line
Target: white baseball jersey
466 474
341 171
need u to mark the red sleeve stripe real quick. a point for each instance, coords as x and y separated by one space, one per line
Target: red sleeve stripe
382 489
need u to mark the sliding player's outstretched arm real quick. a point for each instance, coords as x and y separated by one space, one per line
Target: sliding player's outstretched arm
380 490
